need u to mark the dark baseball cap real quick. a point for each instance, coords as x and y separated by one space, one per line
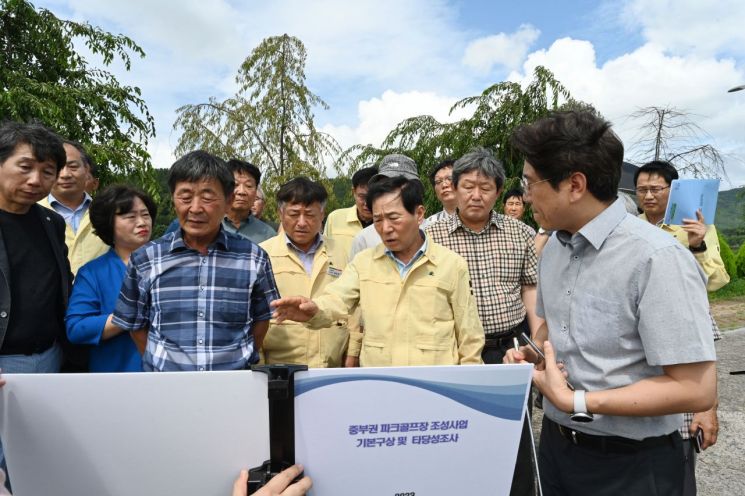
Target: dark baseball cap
396 165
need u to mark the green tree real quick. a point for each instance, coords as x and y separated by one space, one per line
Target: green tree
269 121
497 112
43 78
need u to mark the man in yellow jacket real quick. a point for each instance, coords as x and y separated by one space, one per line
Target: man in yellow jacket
304 263
414 294
652 182
344 224
70 199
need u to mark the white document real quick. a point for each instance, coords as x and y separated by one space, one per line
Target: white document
142 434
410 431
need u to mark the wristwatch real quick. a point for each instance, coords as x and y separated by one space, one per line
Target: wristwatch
699 249
580 413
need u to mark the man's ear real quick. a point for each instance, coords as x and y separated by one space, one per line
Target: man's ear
577 185
419 213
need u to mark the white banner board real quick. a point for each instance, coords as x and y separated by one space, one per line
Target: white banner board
410 431
180 434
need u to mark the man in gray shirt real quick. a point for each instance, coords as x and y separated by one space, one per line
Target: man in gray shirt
626 312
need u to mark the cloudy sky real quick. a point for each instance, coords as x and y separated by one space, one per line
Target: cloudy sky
376 62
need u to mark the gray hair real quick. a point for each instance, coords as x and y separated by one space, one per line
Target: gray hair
482 160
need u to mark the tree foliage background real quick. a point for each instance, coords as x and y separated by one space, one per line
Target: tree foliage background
497 112
269 121
43 78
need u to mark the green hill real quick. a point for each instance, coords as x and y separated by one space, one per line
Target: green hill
730 220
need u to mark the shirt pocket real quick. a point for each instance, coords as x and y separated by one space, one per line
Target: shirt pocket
429 296
231 306
596 326
432 313
378 301
286 272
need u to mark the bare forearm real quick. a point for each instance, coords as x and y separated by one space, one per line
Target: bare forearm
529 294
541 334
259 331
110 329
661 395
140 339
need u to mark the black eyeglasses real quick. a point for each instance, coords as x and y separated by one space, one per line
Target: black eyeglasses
655 190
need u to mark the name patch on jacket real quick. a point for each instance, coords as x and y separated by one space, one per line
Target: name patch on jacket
333 272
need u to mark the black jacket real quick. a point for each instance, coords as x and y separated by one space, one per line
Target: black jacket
54 227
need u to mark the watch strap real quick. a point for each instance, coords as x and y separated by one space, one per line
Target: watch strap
699 249
580 404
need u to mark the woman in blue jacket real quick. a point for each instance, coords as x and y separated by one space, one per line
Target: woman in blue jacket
122 217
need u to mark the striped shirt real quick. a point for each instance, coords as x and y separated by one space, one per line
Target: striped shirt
199 308
501 260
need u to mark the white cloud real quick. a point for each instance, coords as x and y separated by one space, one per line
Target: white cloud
649 76
690 26
161 152
378 116
419 51
503 49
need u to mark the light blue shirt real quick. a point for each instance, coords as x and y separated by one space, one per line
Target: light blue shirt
306 257
72 217
404 268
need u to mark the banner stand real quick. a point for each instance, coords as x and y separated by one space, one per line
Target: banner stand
281 393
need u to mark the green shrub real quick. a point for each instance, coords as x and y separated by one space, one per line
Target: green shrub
740 261
727 257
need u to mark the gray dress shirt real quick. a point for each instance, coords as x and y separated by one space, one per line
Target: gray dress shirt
622 299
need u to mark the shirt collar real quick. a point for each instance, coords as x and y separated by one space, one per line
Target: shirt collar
221 241
598 229
86 201
243 222
352 216
660 223
494 219
422 249
313 248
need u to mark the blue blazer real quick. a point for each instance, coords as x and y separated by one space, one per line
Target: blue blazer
93 298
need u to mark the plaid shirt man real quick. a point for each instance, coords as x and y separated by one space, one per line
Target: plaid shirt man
199 308
501 259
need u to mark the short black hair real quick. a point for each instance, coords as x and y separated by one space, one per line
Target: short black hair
198 166
511 193
573 141
237 165
87 160
363 176
438 167
662 168
116 199
302 190
412 191
45 144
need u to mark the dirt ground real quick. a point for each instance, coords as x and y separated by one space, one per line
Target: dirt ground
729 314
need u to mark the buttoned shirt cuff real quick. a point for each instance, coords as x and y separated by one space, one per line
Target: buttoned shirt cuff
355 344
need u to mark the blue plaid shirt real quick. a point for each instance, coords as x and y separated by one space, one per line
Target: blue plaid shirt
199 308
